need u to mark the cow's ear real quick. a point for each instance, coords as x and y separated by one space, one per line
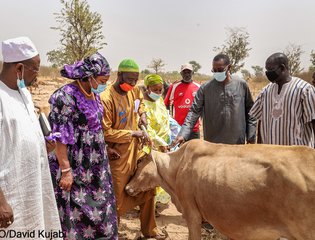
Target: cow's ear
150 157
146 156
139 160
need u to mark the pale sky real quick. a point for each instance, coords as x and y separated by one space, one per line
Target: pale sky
175 30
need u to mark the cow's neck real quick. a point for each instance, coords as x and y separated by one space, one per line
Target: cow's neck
167 171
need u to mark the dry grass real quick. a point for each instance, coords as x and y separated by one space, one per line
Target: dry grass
256 86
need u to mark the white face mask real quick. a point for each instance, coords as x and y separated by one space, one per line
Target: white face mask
219 76
154 96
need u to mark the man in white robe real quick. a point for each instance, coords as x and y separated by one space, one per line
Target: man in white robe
25 182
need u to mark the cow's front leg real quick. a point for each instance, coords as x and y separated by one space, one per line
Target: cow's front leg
193 220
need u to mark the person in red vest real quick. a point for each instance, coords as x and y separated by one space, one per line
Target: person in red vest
180 97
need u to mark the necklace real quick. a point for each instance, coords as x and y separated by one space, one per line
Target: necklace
84 92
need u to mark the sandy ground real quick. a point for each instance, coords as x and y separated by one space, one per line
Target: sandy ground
170 220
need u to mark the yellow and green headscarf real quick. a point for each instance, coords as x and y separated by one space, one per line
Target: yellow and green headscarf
128 65
152 79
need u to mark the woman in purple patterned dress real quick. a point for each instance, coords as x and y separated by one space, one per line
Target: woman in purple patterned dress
79 167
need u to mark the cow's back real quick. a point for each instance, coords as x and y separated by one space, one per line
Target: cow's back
267 188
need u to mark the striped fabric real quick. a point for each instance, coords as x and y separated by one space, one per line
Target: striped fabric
286 117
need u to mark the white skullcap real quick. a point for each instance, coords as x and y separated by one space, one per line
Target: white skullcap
18 49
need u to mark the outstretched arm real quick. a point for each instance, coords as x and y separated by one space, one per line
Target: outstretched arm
191 118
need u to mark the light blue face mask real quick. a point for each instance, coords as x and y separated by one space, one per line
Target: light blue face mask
100 87
21 82
219 76
154 96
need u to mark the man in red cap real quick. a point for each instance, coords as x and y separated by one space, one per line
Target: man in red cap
180 97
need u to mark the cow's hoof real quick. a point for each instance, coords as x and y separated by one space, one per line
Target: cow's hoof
160 236
207 226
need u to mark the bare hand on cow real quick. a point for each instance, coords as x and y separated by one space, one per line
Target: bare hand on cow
163 149
137 134
140 135
179 140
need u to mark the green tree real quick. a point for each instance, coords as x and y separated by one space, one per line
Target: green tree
80 31
258 70
145 71
157 64
246 74
294 52
236 47
196 66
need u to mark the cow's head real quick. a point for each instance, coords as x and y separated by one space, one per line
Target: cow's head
145 178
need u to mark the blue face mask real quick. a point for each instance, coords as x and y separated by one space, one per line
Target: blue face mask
100 87
219 76
21 82
154 96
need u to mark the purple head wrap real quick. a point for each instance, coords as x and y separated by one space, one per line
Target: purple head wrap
95 65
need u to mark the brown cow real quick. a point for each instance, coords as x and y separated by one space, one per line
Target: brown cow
247 192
